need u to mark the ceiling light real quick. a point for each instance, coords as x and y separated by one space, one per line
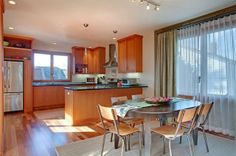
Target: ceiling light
12 2
85 25
10 28
157 7
148 6
54 43
114 38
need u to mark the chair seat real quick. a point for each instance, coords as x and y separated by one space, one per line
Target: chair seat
168 131
131 121
124 130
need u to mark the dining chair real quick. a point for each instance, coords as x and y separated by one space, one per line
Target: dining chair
204 118
137 97
203 113
173 131
132 121
120 129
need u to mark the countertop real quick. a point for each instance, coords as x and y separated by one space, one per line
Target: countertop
38 84
102 87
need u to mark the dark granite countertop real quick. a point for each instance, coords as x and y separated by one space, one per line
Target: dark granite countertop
101 87
38 84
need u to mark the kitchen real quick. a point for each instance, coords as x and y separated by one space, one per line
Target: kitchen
61 60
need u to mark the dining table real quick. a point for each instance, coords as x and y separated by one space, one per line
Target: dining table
149 111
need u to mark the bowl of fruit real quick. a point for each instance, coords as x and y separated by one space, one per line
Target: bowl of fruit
158 100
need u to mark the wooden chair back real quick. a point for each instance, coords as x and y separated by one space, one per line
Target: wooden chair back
115 100
187 116
205 111
137 97
107 114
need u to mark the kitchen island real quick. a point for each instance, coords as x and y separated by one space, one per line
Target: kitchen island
81 102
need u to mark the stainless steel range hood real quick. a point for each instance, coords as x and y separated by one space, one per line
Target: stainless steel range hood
112 60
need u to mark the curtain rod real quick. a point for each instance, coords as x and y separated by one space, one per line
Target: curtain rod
208 17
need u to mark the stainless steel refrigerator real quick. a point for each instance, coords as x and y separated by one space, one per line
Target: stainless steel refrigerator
13 86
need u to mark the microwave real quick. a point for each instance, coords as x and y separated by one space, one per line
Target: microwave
129 82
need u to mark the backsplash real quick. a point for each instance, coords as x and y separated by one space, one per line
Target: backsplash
110 73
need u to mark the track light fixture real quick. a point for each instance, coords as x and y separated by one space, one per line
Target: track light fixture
149 4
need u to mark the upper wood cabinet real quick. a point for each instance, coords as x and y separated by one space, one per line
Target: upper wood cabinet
130 54
99 60
91 59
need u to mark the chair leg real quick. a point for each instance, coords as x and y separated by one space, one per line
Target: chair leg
170 150
140 144
190 145
205 139
164 145
129 142
126 144
103 143
180 140
143 135
111 137
122 146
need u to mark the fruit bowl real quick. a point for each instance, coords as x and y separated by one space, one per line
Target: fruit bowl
157 100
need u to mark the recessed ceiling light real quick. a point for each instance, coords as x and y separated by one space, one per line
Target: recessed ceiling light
157 8
54 43
114 38
10 28
12 2
148 6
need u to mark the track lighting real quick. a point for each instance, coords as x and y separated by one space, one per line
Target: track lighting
149 4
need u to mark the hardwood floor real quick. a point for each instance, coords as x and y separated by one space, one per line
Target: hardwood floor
27 136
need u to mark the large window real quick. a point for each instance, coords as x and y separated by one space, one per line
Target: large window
51 67
206 59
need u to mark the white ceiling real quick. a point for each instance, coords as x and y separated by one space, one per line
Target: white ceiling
61 20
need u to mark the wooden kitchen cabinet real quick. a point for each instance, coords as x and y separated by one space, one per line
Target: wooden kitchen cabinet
46 97
90 61
92 58
78 53
130 54
99 60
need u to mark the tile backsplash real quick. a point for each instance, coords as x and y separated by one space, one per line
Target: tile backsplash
110 73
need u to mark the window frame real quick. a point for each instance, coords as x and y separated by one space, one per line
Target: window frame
51 65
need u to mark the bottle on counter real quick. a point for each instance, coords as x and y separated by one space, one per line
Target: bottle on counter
119 83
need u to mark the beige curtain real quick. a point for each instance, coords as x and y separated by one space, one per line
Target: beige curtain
165 64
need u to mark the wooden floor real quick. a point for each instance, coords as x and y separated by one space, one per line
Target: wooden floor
27 136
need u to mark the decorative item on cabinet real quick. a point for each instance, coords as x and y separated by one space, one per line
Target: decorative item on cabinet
130 54
17 47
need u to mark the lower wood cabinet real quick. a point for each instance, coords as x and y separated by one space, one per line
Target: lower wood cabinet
46 97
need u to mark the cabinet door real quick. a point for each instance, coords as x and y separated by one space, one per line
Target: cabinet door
90 61
131 55
122 57
96 61
99 60
102 57
79 55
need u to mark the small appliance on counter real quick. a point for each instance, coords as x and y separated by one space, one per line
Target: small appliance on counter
129 82
90 80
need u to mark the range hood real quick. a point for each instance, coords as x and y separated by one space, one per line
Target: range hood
112 60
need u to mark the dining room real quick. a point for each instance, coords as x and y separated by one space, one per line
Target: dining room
144 78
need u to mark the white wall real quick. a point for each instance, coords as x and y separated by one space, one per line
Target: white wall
148 63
